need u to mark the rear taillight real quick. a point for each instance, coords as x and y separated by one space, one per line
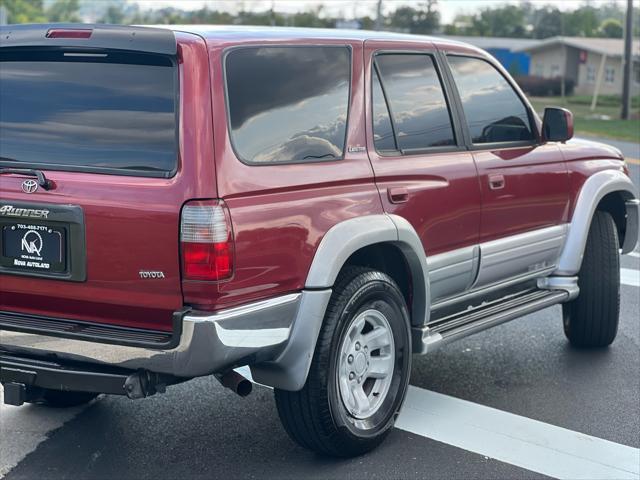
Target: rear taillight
207 241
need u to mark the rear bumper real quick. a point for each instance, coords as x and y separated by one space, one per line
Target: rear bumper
209 343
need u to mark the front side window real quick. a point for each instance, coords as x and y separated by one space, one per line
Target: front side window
494 111
416 100
288 104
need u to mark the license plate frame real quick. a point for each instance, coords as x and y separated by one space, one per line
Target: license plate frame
28 246
35 227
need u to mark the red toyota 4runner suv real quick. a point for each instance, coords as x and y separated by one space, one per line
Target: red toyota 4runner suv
316 204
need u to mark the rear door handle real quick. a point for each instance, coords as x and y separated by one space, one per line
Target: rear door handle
496 181
398 194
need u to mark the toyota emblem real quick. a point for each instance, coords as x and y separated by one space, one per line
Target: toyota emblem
29 186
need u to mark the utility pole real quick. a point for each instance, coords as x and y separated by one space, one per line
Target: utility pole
378 25
563 80
272 13
628 63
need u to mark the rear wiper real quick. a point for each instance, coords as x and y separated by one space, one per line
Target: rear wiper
320 156
42 180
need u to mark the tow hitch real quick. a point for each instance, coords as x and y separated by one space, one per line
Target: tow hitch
23 377
15 394
144 384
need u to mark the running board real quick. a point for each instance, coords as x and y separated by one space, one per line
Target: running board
462 324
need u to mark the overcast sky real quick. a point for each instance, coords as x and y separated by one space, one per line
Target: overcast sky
350 8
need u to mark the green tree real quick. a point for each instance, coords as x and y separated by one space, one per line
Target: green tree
367 23
462 25
451 29
63 11
402 18
612 28
424 19
549 23
113 15
24 11
529 19
204 15
507 21
581 22
428 20
312 18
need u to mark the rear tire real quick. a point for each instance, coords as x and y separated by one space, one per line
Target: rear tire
59 398
591 320
360 369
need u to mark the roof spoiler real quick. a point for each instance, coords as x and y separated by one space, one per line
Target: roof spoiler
139 39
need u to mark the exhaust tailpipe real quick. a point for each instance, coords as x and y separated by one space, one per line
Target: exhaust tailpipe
235 382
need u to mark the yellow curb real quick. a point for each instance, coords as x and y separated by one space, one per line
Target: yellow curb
633 161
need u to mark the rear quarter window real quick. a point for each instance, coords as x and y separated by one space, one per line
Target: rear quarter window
288 104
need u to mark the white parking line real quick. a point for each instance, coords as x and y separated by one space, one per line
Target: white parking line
629 276
509 438
634 254
23 428
520 441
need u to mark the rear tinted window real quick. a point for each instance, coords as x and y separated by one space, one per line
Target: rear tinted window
416 101
88 113
493 109
288 104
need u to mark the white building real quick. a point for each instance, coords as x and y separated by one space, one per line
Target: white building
583 60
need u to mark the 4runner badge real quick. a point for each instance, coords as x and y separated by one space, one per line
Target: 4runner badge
11 211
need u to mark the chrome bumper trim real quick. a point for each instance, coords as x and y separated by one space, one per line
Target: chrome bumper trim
209 343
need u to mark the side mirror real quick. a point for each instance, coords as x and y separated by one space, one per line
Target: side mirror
557 125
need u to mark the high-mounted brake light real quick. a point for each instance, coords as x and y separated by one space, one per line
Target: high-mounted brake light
69 33
207 241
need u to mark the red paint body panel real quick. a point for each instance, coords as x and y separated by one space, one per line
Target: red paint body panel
429 179
584 158
535 179
534 194
280 213
132 223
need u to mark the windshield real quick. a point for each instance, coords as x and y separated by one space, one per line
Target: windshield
107 112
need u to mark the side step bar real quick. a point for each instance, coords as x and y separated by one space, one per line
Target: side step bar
462 324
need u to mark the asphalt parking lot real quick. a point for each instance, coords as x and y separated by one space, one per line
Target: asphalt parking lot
513 402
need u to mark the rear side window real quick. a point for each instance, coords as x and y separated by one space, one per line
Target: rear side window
109 113
416 101
288 104
494 111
